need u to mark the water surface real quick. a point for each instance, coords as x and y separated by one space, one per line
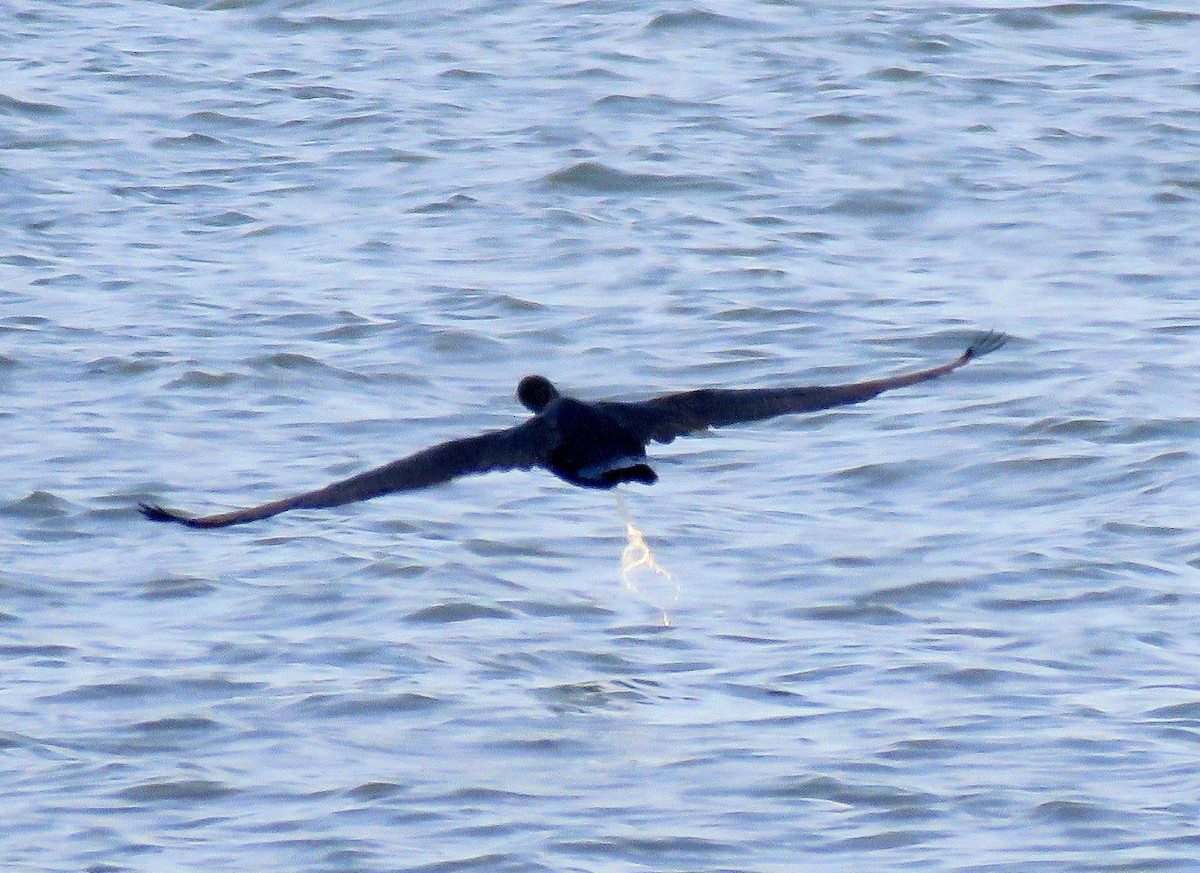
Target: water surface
250 247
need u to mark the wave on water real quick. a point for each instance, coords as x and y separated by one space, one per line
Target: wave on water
593 177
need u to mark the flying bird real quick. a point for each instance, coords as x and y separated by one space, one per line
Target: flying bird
593 445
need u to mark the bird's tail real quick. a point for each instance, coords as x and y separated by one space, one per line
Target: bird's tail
637 473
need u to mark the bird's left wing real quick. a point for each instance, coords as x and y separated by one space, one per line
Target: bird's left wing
664 418
517 448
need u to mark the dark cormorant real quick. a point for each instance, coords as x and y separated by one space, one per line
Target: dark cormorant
594 445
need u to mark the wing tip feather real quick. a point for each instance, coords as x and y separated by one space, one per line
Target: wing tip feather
985 344
154 512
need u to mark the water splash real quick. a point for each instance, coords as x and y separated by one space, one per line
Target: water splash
641 574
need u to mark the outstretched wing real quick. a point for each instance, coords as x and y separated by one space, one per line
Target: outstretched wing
517 448
664 418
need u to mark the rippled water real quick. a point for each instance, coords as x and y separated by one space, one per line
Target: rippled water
250 247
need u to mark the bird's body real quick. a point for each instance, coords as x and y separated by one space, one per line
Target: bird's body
592 448
593 445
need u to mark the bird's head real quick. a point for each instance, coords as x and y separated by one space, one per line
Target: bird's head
536 392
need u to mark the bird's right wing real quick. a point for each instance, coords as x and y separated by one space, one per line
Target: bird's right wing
664 418
517 448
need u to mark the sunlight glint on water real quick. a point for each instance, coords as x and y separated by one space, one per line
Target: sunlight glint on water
641 574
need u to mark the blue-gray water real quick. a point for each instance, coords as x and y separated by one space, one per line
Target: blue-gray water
248 247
